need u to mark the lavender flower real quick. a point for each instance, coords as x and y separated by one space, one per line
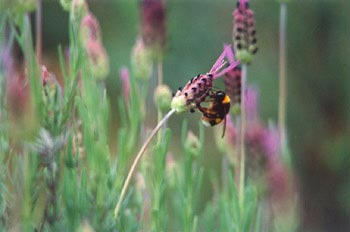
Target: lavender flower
92 42
153 25
233 86
244 33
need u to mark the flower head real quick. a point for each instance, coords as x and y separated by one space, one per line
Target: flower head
92 42
244 33
232 81
153 24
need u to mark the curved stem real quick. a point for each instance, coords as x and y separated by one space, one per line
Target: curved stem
137 160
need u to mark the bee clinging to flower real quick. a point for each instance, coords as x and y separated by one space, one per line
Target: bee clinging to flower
200 90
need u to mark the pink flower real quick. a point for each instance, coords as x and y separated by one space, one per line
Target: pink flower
232 81
218 68
244 33
45 75
96 54
251 104
270 143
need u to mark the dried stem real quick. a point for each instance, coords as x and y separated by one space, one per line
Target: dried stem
137 160
39 32
242 137
282 78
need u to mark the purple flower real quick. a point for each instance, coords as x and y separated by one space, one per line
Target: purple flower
153 24
233 79
244 33
219 68
270 143
92 41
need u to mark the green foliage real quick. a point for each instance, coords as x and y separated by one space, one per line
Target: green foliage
63 174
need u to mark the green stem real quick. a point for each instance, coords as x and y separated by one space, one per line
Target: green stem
160 82
242 137
282 78
39 32
137 160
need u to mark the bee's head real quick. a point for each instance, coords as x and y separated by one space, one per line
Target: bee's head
220 95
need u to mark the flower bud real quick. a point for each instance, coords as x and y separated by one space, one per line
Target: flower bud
162 98
78 11
141 61
66 4
178 103
192 145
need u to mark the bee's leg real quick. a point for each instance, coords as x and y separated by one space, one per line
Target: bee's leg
224 128
201 109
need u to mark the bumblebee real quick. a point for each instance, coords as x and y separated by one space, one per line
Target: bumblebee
219 107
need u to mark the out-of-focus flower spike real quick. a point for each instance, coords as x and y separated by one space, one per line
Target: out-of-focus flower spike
244 33
153 26
162 98
270 143
192 145
125 78
90 28
141 61
233 86
92 42
251 104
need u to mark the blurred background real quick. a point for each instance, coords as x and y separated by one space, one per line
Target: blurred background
318 72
